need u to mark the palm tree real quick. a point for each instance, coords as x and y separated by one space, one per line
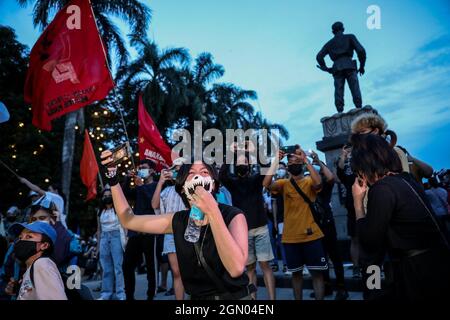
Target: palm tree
136 14
158 74
231 107
198 92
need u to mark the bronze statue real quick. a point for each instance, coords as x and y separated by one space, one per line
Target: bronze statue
340 49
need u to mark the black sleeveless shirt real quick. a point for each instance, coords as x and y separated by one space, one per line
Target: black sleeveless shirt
195 279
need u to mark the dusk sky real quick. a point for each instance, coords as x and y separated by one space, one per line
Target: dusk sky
270 47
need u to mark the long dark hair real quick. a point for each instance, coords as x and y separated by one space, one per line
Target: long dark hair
373 157
183 173
102 205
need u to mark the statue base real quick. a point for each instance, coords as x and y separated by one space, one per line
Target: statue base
337 130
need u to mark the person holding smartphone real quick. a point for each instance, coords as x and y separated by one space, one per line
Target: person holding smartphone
301 234
167 199
214 267
140 243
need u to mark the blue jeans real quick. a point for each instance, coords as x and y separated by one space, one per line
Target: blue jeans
276 243
111 258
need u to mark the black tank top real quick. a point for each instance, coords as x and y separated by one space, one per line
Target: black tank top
195 279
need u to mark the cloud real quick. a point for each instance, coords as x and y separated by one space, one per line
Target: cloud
413 97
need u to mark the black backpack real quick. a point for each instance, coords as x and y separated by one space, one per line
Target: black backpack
72 294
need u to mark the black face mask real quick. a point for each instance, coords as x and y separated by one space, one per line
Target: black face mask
107 200
24 249
10 219
295 169
242 170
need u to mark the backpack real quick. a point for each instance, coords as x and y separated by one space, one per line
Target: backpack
72 294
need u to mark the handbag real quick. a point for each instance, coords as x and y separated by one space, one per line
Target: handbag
318 212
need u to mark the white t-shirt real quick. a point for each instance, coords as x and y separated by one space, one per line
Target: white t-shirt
47 285
109 220
171 201
59 202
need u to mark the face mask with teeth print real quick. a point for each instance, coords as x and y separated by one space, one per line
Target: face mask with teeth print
189 186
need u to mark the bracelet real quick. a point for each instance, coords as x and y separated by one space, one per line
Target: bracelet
111 176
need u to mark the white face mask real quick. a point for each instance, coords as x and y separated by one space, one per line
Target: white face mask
144 173
281 172
198 180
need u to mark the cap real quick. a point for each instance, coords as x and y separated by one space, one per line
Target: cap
32 193
178 162
38 227
12 210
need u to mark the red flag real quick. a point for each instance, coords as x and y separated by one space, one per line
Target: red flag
151 143
89 168
68 67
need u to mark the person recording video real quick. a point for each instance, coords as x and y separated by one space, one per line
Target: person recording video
213 268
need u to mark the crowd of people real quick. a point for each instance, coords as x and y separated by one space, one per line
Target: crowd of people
397 218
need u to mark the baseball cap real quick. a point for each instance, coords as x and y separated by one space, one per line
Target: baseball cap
37 226
12 211
32 193
178 162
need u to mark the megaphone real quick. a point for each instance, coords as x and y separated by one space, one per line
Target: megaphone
4 114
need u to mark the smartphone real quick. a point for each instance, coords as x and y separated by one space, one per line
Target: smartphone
120 154
288 149
309 153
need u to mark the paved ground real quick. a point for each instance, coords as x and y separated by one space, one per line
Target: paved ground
281 293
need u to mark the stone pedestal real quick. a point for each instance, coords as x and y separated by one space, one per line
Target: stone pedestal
336 131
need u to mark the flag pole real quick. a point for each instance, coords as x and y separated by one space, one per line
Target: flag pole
114 89
9 169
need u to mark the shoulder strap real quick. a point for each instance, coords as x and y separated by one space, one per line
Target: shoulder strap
32 271
208 270
300 192
429 212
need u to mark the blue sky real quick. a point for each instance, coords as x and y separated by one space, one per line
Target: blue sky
270 47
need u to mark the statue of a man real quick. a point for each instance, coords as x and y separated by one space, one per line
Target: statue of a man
340 49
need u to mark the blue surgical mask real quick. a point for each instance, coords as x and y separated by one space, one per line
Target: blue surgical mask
144 173
281 172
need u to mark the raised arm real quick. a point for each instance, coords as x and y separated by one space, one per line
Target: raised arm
155 224
165 175
425 168
273 167
32 187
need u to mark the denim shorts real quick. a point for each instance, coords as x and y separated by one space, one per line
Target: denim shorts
259 246
169 244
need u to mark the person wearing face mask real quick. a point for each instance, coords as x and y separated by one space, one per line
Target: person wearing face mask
214 267
301 234
139 244
12 216
46 212
166 199
398 226
110 234
278 213
247 193
41 280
